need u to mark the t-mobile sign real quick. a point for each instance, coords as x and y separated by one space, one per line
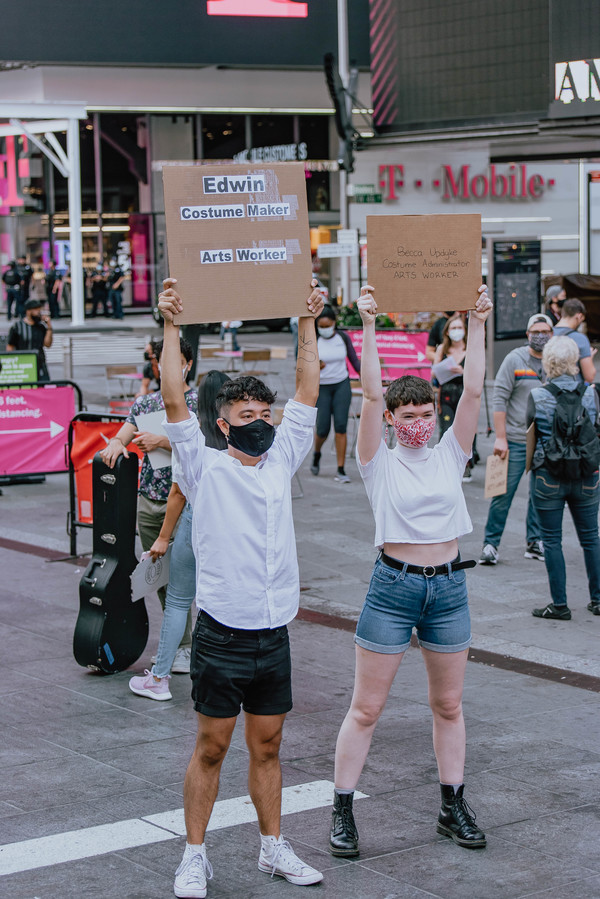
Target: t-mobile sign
290 9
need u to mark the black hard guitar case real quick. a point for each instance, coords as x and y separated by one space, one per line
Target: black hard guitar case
111 630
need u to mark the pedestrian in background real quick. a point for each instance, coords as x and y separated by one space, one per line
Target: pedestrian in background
114 283
52 284
12 283
335 394
181 589
572 317
552 490
555 298
520 372
155 483
453 348
33 332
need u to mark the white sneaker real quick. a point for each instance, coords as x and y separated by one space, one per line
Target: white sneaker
279 858
181 662
192 874
489 555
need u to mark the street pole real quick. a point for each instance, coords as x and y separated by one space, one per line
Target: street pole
77 295
344 70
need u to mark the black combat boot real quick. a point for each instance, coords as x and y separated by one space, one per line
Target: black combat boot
457 821
343 838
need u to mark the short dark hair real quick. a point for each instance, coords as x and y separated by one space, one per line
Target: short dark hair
33 304
243 389
328 312
184 348
408 390
572 307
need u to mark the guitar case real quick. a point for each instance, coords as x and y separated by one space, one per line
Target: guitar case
111 630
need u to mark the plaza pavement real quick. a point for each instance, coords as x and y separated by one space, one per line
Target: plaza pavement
91 786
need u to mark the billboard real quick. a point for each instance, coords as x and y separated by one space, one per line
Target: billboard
456 61
262 33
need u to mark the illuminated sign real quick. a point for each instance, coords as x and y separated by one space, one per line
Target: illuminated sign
578 80
289 9
576 88
13 167
460 183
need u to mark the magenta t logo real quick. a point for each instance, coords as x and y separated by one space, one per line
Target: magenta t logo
290 9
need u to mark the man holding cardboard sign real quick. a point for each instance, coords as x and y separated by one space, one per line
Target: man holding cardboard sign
246 586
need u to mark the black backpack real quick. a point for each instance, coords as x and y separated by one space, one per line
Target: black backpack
572 451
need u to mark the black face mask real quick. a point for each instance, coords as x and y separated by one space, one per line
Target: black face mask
253 439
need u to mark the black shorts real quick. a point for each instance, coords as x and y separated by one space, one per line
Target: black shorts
233 668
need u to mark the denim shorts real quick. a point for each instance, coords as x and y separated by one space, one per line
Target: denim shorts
232 668
397 602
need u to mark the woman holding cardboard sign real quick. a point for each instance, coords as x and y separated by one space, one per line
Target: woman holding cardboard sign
419 579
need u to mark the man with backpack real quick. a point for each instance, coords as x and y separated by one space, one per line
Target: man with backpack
573 314
565 470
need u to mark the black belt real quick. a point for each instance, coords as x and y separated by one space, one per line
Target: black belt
427 570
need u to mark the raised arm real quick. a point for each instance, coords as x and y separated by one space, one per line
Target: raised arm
369 429
307 361
467 412
171 383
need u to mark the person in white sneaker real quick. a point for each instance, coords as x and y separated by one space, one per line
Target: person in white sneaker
247 586
172 658
519 373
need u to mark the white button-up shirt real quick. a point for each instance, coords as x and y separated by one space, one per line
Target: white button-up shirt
243 530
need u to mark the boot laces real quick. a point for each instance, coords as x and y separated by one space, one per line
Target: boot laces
465 813
347 817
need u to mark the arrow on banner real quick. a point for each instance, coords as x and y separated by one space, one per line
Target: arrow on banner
54 429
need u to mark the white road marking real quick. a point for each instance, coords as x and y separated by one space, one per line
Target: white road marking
90 841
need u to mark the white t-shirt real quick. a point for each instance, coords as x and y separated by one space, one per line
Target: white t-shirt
416 494
242 528
332 351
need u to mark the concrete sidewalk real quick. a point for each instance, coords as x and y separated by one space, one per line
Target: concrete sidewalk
91 787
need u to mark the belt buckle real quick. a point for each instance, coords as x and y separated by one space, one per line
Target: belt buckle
427 569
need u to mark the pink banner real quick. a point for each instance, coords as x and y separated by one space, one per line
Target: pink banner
34 426
401 352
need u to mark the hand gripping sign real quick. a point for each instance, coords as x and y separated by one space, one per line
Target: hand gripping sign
238 240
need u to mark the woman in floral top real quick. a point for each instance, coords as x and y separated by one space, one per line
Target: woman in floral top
155 483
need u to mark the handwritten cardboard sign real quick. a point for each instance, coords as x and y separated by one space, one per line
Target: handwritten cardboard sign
238 240
424 263
496 474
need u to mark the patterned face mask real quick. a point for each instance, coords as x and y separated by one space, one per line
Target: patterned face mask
414 433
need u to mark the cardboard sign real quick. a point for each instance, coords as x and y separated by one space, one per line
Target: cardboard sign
238 240
424 263
530 441
496 474
153 423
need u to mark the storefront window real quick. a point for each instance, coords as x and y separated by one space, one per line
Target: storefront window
223 136
271 130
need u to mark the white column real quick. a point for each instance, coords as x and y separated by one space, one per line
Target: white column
77 291
344 70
